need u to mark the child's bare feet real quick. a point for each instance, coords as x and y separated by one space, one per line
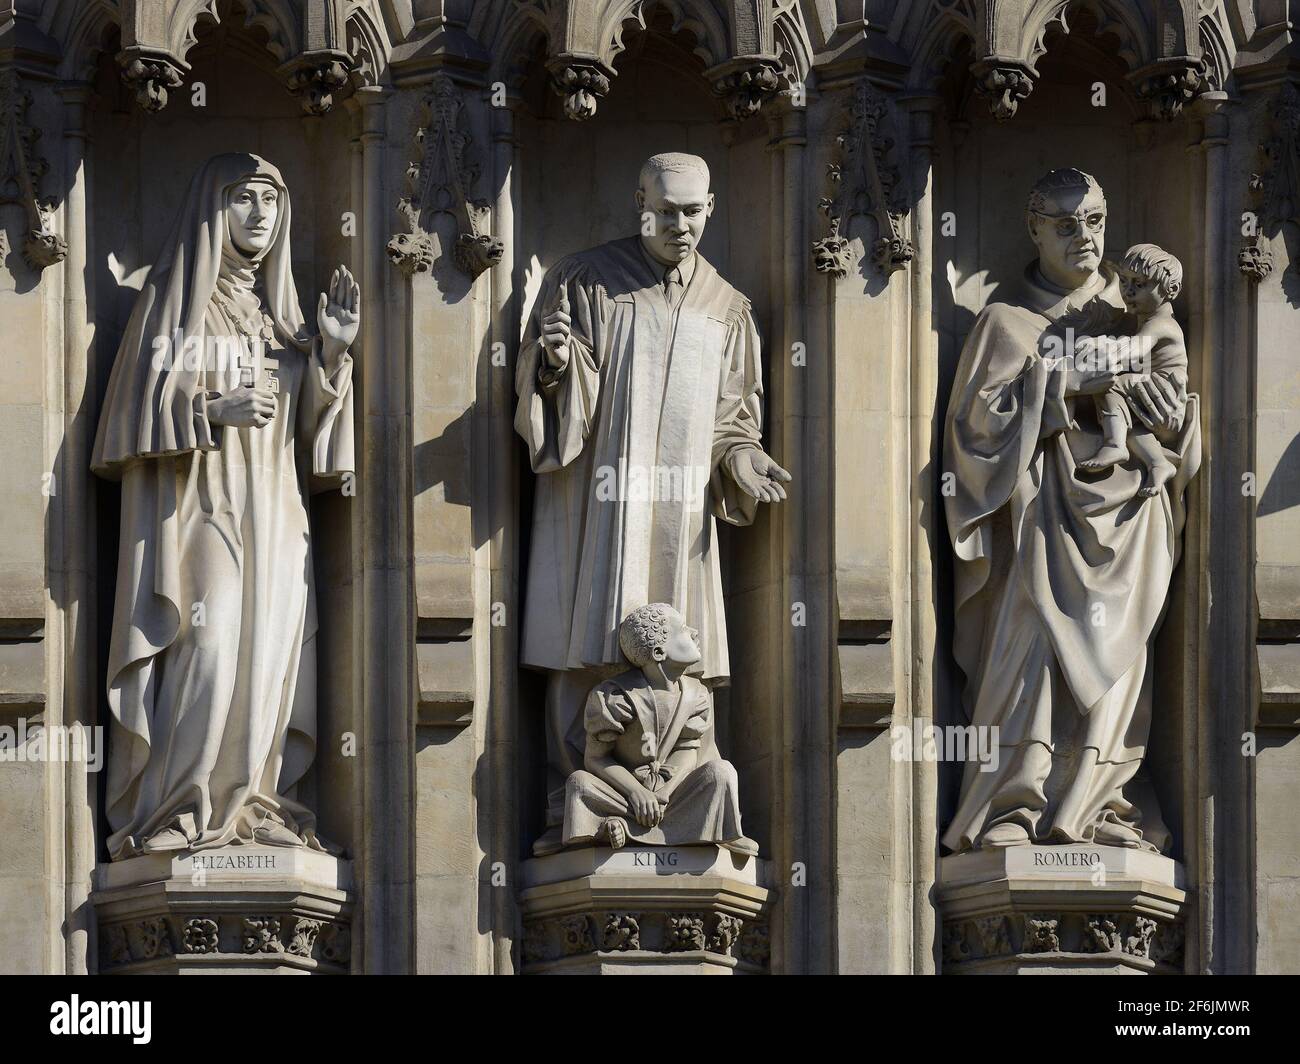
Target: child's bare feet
613 830
1156 479
1105 457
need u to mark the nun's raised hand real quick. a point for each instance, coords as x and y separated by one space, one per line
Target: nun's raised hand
338 314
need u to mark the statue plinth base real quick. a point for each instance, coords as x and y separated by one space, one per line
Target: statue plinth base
652 910
1061 909
236 910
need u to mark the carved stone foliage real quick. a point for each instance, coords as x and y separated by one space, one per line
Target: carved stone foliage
316 78
441 180
551 939
748 48
1275 188
862 181
21 170
582 85
154 938
1003 935
747 84
151 78
1169 86
1004 83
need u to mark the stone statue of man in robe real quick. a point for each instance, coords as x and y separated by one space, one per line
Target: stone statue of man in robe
640 399
1062 574
222 412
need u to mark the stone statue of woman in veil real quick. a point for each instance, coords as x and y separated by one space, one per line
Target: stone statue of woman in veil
223 412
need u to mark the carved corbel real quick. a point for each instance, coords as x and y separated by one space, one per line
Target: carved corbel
316 77
1275 189
151 76
862 181
582 83
21 170
440 181
746 83
1170 85
1004 83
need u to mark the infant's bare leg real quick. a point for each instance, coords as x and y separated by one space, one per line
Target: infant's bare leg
1147 450
1114 429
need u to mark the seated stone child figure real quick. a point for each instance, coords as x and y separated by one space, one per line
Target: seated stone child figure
653 774
1149 280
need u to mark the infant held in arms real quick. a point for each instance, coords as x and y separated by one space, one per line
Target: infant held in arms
1150 278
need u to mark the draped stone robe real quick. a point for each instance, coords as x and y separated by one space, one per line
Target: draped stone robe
652 402
212 664
1061 581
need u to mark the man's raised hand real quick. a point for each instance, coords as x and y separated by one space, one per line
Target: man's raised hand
556 331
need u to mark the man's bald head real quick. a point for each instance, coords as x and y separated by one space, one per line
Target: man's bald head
674 199
671 162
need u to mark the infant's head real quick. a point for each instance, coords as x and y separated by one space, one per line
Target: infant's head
1149 277
657 633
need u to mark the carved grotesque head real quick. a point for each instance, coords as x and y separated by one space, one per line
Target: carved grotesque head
675 203
656 633
1066 215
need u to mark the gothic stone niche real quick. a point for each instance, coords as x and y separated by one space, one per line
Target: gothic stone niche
442 180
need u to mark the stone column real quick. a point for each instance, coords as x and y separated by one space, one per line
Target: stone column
927 527
77 544
1220 816
386 681
503 495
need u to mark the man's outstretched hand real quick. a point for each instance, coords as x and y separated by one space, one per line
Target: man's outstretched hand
758 475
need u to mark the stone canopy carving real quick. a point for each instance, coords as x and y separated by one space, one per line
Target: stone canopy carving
1275 189
1056 608
21 170
643 481
217 382
442 180
863 181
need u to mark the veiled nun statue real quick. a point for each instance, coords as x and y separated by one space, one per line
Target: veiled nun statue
223 411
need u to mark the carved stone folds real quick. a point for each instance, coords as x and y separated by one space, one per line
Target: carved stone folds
441 180
862 181
1275 188
21 170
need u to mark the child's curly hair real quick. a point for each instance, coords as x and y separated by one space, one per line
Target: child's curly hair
644 632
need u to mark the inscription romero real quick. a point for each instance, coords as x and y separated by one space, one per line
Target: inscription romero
1069 859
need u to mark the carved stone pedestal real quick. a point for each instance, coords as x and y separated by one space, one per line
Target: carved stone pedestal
688 910
238 910
1061 909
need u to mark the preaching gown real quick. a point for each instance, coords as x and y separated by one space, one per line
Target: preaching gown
212 676
654 396
1062 578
